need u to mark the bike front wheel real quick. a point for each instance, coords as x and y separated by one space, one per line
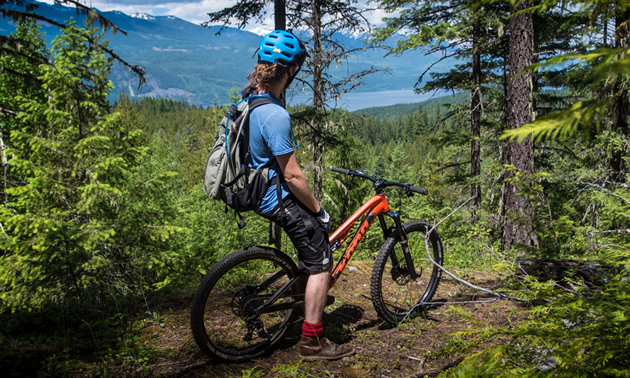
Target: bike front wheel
226 317
397 296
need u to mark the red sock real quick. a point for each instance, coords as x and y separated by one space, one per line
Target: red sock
312 330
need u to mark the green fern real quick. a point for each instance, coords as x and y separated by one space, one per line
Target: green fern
583 116
580 117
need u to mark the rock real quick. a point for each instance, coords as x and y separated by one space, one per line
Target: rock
353 269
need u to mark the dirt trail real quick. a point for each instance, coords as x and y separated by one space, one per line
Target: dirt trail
381 351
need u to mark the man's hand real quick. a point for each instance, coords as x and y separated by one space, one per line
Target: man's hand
323 218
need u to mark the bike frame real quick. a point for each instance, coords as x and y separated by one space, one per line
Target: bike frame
375 207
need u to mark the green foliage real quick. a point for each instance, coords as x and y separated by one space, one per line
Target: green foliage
583 116
291 370
19 74
108 203
577 334
391 112
252 373
19 69
70 224
574 328
603 65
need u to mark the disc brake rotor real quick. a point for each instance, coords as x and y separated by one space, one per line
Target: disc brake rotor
400 275
244 305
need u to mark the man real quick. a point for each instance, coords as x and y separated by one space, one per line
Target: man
280 57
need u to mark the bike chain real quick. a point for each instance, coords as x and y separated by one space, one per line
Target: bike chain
243 304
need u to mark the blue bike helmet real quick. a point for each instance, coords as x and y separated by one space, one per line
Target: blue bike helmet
282 47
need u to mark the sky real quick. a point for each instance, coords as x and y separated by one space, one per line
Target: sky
195 11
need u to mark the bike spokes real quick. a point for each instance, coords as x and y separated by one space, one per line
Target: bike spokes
396 293
232 312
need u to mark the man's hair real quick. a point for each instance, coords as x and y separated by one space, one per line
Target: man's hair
265 75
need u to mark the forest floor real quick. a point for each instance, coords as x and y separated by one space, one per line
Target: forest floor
161 344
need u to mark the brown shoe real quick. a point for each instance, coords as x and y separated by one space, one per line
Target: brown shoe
314 349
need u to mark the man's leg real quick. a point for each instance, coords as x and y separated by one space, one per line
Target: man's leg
313 254
313 346
315 295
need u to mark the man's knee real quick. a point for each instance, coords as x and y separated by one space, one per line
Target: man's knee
319 269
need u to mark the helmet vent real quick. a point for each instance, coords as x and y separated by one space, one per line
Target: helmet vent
283 48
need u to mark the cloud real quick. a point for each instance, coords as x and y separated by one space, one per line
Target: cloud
375 17
153 2
196 11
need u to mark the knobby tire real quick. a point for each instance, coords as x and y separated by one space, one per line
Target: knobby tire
222 317
395 295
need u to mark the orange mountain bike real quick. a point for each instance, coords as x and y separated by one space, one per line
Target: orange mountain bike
246 302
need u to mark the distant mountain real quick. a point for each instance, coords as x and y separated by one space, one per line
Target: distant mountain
392 112
188 61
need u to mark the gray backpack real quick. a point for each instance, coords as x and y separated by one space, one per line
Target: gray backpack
228 178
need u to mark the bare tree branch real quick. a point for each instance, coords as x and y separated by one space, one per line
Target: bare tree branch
601 188
93 15
627 231
460 280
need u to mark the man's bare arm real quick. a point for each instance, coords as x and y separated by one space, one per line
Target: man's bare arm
297 181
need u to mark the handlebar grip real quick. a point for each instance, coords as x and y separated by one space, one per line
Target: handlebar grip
340 170
415 189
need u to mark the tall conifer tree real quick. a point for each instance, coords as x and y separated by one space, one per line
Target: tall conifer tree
68 220
520 111
18 79
465 30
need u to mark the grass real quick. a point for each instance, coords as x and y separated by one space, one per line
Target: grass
153 338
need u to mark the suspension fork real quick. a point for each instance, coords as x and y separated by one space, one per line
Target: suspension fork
402 239
381 220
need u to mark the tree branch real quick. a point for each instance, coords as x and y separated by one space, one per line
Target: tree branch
599 187
627 231
428 250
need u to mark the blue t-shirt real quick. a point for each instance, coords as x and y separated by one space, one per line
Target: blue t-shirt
269 136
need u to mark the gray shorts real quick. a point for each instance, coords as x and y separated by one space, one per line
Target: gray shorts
303 229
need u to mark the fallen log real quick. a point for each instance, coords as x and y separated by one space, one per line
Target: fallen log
547 269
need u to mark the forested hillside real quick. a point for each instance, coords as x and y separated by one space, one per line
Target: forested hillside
106 229
393 112
186 61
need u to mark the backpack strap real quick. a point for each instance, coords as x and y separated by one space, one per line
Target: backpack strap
239 218
256 101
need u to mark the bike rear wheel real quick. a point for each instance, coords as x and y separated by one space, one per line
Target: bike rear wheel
395 295
223 316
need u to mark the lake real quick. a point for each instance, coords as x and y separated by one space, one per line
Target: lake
360 100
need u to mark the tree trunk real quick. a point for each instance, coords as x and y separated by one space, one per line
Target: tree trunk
275 235
5 169
620 126
518 209
280 23
280 15
475 124
620 106
605 21
318 101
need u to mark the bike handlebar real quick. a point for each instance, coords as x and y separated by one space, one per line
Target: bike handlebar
340 170
415 189
380 182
